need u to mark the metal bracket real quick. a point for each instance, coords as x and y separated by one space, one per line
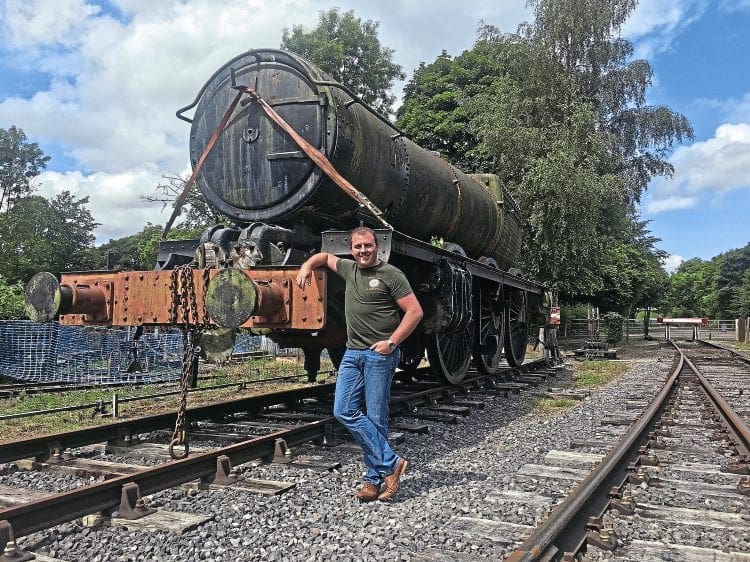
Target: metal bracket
10 553
281 453
225 474
327 439
605 539
132 505
737 465
55 453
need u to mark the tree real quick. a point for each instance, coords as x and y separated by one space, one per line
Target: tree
196 214
139 251
38 235
558 111
742 301
348 49
20 162
692 288
583 38
634 278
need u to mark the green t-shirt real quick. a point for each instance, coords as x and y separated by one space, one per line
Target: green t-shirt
370 299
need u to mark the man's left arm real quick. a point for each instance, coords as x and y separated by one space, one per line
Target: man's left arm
412 315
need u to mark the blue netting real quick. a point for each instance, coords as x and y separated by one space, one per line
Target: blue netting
54 353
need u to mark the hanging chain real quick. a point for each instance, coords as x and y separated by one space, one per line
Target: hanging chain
184 301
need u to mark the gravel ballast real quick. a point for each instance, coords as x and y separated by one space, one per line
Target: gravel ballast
455 471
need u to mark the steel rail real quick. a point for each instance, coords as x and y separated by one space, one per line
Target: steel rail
735 424
564 530
106 496
41 446
734 352
241 385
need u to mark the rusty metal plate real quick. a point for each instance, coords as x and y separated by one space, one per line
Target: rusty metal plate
304 309
137 298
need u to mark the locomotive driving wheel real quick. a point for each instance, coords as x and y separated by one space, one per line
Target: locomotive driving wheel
450 353
517 328
488 348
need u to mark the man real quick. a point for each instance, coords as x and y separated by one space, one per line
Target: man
376 293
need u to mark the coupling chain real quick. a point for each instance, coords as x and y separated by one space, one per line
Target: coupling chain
184 300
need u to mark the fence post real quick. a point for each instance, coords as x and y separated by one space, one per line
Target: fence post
115 405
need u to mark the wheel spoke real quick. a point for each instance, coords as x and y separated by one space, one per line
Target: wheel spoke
450 354
488 351
516 337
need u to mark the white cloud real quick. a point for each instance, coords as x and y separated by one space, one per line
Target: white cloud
705 169
114 199
671 263
38 23
671 204
655 25
116 77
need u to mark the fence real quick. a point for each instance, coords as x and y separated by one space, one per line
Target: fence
55 353
581 329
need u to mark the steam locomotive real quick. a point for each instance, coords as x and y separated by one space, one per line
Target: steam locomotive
294 161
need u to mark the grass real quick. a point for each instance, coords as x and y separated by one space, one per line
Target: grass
551 405
593 374
66 421
586 375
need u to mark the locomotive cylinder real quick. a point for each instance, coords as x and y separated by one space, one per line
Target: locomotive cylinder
257 173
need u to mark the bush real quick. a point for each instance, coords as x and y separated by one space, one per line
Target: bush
12 304
613 324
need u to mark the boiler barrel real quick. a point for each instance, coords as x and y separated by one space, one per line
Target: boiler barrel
257 173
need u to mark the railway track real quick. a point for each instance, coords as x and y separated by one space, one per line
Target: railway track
231 434
674 486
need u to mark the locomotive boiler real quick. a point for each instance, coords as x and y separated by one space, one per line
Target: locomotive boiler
294 160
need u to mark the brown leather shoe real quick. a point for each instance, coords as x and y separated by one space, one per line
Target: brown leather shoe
391 481
368 493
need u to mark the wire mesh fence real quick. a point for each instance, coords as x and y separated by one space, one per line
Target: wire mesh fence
73 354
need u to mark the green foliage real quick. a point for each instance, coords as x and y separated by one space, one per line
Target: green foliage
593 374
11 301
552 405
20 163
558 111
139 251
613 324
41 235
632 272
717 288
348 49
132 252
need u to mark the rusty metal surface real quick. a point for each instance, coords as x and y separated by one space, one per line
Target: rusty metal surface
143 298
258 173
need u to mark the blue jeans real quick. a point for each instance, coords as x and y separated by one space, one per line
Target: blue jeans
364 378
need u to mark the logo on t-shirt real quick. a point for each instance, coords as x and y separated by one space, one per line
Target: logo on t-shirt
374 282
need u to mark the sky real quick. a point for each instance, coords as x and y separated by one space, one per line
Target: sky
96 84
